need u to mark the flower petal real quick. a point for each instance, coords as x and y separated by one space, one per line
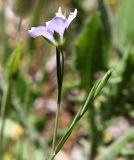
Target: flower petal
47 23
41 31
57 24
59 14
60 11
71 16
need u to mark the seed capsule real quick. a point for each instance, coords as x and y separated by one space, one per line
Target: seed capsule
22 7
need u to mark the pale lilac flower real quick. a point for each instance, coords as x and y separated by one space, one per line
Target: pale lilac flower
58 24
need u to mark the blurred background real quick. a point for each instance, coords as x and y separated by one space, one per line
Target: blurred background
100 38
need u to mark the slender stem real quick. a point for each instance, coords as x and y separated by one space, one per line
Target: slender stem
19 26
59 77
4 108
60 71
19 29
56 127
3 33
94 132
62 67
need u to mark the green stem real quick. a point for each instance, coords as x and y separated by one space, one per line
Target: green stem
94 132
4 109
56 127
62 67
3 33
19 29
60 73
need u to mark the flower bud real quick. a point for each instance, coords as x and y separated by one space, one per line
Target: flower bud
22 7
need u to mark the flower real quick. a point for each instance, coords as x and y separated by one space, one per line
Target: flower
55 28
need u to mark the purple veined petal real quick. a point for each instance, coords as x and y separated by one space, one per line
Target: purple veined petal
71 16
41 31
57 24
